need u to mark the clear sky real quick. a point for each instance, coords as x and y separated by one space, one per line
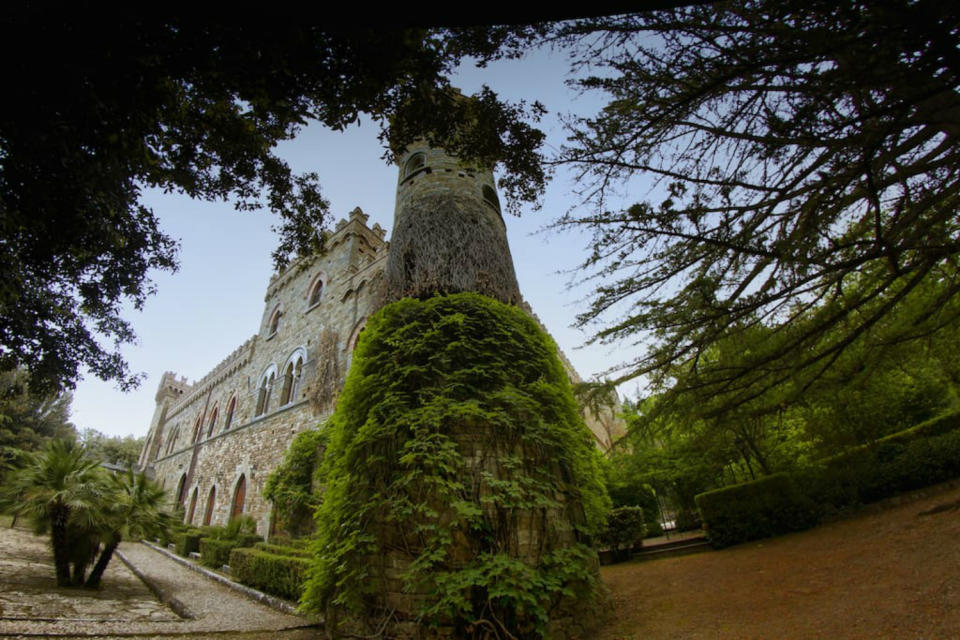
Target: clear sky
214 301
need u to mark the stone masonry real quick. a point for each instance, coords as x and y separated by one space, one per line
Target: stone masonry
213 443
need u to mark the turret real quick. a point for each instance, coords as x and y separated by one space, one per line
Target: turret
448 232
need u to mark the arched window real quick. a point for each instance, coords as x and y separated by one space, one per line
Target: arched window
239 494
213 420
490 196
292 375
180 489
315 293
173 440
274 323
198 429
231 406
264 390
416 162
211 498
193 506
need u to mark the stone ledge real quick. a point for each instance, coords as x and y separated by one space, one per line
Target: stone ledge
171 601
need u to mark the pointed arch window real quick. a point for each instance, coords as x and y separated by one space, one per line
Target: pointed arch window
239 495
213 420
490 197
265 389
315 293
193 505
274 324
211 499
292 375
231 407
173 440
198 429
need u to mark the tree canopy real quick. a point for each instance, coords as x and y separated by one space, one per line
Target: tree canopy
806 157
102 109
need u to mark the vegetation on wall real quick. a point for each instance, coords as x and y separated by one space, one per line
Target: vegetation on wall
457 426
291 487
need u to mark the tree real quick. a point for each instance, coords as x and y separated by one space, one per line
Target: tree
120 450
807 157
29 420
60 491
106 108
135 511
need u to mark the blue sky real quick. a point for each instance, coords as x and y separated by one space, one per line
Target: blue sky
215 300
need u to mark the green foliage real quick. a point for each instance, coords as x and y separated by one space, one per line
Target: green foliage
280 575
770 506
187 542
626 526
291 486
215 548
29 419
456 424
805 181
119 450
239 527
911 459
282 550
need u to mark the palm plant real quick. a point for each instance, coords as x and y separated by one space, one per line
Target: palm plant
63 492
135 511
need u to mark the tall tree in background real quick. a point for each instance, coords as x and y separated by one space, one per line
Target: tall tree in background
99 110
27 419
808 158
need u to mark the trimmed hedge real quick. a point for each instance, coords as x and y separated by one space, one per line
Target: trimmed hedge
625 528
920 456
215 552
770 506
275 574
282 550
187 542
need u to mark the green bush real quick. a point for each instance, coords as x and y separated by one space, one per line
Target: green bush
920 456
770 506
282 550
624 529
186 542
291 485
278 575
215 552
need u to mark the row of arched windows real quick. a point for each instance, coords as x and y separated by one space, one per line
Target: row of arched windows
236 505
290 383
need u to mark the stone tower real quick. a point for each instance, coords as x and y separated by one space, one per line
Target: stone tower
449 235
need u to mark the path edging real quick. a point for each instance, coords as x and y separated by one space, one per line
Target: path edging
263 598
171 601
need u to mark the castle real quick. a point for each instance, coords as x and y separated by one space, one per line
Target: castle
215 441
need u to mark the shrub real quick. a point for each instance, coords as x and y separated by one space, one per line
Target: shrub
215 552
186 542
291 485
279 575
625 528
282 550
770 506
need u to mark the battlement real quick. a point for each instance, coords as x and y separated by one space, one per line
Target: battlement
171 387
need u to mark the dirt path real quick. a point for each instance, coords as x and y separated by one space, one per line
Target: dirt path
892 574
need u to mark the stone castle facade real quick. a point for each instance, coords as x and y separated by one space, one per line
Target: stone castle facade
213 442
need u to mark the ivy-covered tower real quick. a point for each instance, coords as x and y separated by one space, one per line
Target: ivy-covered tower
448 234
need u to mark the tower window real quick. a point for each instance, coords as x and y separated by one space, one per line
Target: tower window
274 323
490 197
315 293
416 162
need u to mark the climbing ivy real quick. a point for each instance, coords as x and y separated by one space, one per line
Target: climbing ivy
291 486
459 474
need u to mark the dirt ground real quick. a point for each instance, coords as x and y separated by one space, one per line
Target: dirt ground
890 574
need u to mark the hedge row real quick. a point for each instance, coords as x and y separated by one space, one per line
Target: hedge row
282 550
187 542
275 574
911 459
215 552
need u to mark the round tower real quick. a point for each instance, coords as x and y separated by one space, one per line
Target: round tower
448 232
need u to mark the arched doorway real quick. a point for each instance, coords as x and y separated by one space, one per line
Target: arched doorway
193 506
211 498
239 494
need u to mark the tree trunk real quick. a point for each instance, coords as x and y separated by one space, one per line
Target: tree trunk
58 538
93 582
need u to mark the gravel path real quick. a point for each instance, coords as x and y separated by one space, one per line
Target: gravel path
31 604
